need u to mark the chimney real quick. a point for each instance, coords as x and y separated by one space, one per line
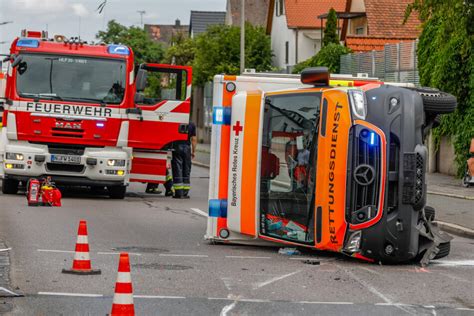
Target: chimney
177 22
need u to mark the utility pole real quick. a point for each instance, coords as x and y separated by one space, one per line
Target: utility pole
6 22
141 12
242 37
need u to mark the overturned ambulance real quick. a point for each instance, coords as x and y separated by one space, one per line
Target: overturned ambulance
332 163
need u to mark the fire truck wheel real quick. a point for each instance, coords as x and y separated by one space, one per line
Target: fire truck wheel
437 102
9 186
117 192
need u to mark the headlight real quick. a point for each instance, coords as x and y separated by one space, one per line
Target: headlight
14 156
353 244
116 162
358 103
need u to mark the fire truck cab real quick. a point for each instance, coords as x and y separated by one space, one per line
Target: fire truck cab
333 164
87 115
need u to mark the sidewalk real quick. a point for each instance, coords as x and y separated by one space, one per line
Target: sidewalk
454 203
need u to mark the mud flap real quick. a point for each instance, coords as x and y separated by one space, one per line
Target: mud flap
434 236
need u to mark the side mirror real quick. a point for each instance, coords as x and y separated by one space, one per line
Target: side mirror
16 61
140 80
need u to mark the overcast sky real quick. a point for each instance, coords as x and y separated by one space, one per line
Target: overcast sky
71 17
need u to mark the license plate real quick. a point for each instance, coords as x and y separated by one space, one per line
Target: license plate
66 159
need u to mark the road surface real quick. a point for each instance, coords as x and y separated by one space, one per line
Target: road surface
176 272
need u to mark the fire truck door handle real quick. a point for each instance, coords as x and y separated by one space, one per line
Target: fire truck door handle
136 111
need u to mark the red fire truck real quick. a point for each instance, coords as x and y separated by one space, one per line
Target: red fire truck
87 115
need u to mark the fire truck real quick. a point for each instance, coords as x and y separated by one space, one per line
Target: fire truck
334 163
87 115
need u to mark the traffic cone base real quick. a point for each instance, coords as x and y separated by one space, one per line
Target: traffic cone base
82 261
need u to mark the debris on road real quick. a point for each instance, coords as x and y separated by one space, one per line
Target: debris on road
289 252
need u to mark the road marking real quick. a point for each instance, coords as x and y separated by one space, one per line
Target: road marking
370 270
272 280
6 249
465 309
453 263
118 253
58 251
329 303
9 292
228 308
198 211
159 296
182 255
246 257
70 294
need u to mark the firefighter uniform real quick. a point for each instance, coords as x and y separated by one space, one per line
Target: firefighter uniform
181 164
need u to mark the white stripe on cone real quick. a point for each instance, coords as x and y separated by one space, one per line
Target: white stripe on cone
123 299
124 277
82 239
81 256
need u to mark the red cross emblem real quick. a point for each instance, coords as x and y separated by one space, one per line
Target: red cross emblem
237 128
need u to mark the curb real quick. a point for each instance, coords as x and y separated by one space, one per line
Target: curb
456 229
200 164
457 196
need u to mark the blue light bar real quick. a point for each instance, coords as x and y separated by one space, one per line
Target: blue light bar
118 50
372 138
26 42
100 124
218 208
221 115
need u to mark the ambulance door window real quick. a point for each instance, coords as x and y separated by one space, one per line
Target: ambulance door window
288 169
163 84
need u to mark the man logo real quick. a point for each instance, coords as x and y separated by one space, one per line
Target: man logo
68 125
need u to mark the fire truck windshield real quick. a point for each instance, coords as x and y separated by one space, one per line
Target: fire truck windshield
71 78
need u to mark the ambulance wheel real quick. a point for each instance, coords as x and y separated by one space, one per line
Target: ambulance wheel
9 186
444 250
437 102
117 192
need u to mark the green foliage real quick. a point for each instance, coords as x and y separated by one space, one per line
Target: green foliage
445 55
181 52
329 56
330 31
218 51
143 47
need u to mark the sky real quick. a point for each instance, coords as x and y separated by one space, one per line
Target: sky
79 17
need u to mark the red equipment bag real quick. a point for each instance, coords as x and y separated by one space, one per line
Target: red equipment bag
33 194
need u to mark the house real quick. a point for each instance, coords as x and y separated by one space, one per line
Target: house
163 33
296 30
256 12
379 22
201 20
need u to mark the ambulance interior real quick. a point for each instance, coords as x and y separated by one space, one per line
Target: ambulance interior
289 149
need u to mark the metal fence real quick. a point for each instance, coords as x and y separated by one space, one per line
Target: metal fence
396 63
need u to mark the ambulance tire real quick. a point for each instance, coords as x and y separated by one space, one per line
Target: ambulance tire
9 186
117 192
437 102
444 250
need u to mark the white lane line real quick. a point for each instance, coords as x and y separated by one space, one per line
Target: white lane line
246 257
272 280
329 303
465 309
253 300
58 251
198 211
70 294
182 255
454 263
228 308
219 299
9 292
117 253
5 249
159 296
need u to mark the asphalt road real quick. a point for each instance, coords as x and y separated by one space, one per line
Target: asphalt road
176 272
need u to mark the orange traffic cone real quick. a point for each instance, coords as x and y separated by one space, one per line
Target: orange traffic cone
82 261
123 297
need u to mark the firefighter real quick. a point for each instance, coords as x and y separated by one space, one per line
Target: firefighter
181 163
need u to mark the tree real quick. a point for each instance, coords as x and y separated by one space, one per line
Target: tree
330 31
143 47
445 57
218 51
329 56
182 51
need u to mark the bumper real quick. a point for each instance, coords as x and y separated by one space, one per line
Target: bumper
90 169
395 237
